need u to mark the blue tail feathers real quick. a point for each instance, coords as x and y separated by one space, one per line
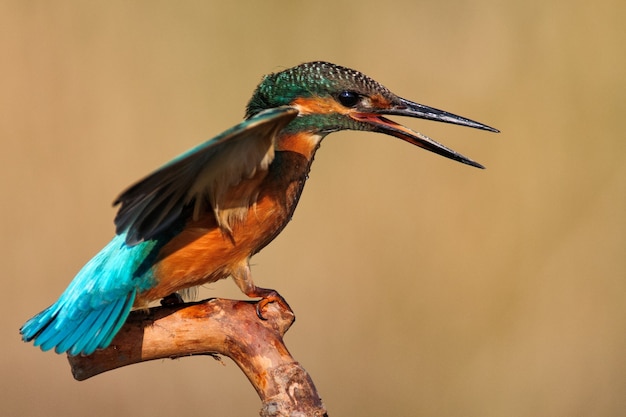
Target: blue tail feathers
97 302
80 333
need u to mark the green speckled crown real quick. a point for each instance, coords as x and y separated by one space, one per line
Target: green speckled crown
310 79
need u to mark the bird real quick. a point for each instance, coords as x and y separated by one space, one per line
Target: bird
202 216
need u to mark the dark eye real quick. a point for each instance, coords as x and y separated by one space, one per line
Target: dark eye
349 98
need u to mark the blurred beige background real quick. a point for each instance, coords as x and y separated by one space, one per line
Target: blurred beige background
422 286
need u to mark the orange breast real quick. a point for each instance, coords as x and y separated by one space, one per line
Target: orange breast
203 253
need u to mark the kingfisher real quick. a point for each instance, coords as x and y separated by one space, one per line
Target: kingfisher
203 215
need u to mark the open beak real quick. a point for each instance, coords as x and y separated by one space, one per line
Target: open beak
410 109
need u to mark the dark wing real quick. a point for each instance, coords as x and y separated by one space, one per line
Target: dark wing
156 202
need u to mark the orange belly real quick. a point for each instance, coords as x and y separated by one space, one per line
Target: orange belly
204 253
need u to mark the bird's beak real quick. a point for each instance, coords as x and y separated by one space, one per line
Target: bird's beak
410 109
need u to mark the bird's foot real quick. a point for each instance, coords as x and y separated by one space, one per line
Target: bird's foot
269 296
172 300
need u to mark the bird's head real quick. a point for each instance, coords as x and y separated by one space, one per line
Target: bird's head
330 98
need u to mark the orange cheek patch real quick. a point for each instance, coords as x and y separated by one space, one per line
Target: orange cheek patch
318 105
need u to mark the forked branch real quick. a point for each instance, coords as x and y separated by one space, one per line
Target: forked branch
216 326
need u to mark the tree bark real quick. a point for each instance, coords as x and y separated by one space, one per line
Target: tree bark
216 327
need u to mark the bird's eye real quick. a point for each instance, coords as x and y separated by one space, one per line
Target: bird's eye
349 98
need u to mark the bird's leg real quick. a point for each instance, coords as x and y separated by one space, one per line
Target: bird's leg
243 279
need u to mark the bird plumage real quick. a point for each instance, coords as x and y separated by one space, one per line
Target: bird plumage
201 179
96 303
202 216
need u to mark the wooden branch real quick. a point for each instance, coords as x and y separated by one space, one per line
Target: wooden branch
215 326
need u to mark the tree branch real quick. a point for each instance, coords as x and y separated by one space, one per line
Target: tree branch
215 326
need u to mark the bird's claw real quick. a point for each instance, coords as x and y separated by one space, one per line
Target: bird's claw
172 300
271 297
